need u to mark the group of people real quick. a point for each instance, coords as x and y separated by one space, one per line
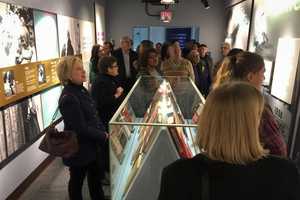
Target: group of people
243 154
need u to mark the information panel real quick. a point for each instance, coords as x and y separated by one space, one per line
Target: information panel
24 80
285 69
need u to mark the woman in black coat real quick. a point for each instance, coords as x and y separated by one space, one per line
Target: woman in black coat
233 164
79 113
106 91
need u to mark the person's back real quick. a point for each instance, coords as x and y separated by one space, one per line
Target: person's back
233 162
269 178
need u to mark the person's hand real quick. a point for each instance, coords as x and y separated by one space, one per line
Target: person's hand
119 92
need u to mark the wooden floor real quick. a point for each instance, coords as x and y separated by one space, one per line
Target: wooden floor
52 184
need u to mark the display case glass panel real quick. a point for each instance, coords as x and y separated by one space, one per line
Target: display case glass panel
155 125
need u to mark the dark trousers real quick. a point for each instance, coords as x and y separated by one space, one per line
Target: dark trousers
94 176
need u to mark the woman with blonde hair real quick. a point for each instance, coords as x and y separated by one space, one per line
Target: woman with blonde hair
233 164
79 113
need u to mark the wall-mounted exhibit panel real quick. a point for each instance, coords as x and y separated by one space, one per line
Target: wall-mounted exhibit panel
49 104
69 35
268 72
100 23
24 80
270 22
87 40
285 68
45 28
238 24
2 139
17 40
37 108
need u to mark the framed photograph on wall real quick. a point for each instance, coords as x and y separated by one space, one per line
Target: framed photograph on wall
17 38
285 69
45 28
238 24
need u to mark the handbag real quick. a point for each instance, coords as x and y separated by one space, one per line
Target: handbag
59 143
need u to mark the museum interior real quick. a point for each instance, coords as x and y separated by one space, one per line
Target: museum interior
132 87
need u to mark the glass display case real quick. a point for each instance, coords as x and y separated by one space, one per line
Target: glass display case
155 125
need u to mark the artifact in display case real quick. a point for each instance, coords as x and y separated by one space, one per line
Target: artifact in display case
285 69
2 139
164 133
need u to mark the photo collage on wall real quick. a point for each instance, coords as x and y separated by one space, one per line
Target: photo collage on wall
23 123
238 24
31 44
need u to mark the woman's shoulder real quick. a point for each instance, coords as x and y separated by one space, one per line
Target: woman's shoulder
278 163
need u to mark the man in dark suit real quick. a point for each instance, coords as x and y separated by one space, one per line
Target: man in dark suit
125 57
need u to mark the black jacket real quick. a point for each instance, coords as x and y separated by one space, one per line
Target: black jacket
103 91
271 178
79 114
127 83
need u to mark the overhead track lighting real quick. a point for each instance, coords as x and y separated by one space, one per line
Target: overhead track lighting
205 3
167 2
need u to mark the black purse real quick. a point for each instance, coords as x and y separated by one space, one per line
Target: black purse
59 143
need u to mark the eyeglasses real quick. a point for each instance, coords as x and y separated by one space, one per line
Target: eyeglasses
114 66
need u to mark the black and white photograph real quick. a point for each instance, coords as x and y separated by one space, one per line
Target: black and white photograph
69 35
30 120
14 128
36 101
2 139
17 39
238 24
41 73
9 83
